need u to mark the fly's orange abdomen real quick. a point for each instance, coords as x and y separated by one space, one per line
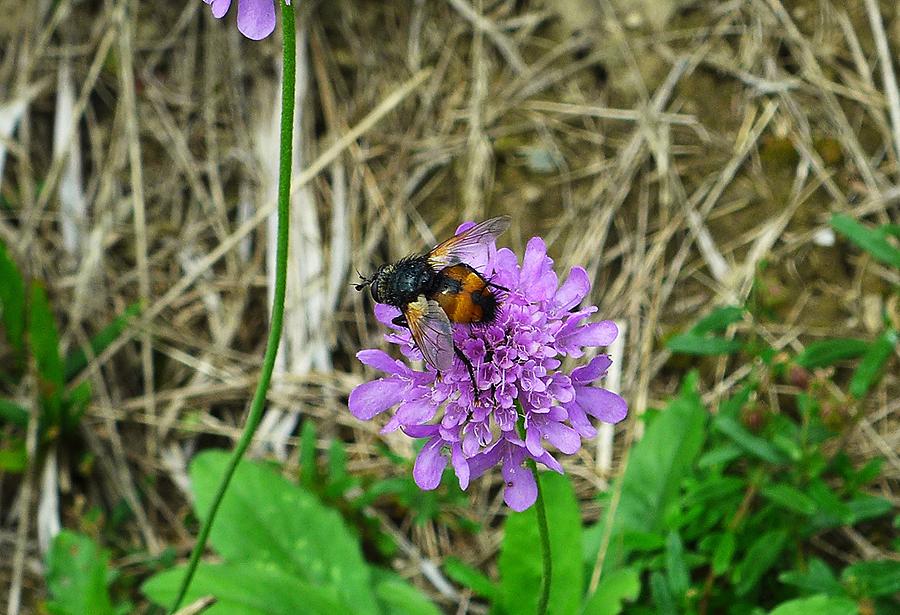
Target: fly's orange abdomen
466 297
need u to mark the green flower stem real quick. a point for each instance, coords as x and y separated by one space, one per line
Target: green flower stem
543 529
545 542
289 39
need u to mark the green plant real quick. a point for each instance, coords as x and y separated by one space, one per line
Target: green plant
282 551
79 576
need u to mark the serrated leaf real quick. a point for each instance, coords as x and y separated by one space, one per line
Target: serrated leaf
470 577
77 572
788 496
869 370
12 302
820 605
248 588
265 519
873 241
759 558
718 320
689 343
520 560
828 352
77 359
873 578
615 588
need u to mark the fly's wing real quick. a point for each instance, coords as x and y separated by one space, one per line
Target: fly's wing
460 248
432 332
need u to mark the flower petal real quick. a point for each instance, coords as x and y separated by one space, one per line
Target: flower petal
219 7
380 360
372 398
594 334
460 465
521 490
593 370
562 437
429 466
573 290
600 403
416 411
256 18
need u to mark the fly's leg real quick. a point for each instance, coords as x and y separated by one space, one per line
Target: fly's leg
469 367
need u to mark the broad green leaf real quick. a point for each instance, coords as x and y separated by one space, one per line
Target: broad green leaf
817 605
248 588
520 560
77 573
690 343
760 557
12 302
77 359
788 496
265 519
614 589
828 352
868 372
397 597
873 241
817 578
873 578
718 320
656 467
740 435
11 412
470 577
676 569
43 340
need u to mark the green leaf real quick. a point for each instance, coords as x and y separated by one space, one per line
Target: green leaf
828 352
12 302
820 605
676 569
873 241
740 435
309 470
11 412
43 339
718 320
614 589
77 360
869 370
723 553
659 589
248 588
470 577
689 343
397 597
866 507
760 557
520 560
265 519
788 496
873 578
77 573
657 465
14 458
817 578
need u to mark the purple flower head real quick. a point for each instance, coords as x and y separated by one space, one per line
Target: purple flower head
255 18
521 386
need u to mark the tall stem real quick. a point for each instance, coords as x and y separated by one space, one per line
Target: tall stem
289 38
545 542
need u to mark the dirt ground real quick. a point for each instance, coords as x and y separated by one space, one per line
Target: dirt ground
689 154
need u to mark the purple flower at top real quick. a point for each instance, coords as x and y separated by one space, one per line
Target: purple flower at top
255 18
516 359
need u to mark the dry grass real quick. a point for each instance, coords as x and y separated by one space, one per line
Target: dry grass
670 152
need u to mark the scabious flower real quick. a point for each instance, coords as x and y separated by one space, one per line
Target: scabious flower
255 18
518 374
